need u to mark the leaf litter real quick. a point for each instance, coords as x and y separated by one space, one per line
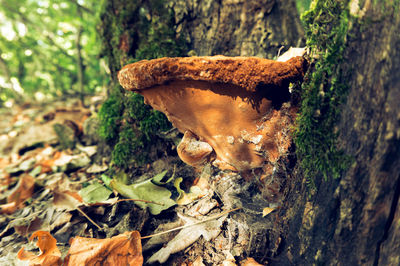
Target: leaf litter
70 195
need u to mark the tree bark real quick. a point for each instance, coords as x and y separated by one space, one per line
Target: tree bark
239 28
232 28
355 220
80 66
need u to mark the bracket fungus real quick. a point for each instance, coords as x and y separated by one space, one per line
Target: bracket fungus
235 112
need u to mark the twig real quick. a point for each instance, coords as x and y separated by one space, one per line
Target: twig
188 225
146 201
87 217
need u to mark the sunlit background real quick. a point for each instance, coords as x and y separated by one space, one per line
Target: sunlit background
50 48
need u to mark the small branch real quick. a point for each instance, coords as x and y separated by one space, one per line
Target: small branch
87 217
188 225
146 201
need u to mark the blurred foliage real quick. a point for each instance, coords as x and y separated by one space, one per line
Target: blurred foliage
142 30
303 5
49 48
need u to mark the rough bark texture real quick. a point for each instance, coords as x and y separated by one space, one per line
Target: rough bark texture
228 27
356 220
351 221
239 27
371 133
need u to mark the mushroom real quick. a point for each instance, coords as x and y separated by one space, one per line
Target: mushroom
235 112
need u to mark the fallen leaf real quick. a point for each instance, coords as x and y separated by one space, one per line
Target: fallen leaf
27 164
67 200
160 239
95 168
4 162
89 150
187 236
8 208
229 259
25 227
124 249
250 262
148 191
267 211
22 191
198 262
184 198
50 255
72 162
60 182
95 193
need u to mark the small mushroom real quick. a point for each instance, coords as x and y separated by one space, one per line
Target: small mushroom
234 111
193 151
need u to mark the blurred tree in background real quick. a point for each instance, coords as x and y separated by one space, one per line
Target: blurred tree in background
49 48
64 48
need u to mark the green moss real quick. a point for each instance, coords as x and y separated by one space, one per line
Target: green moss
110 116
127 151
323 91
134 30
302 5
148 121
161 39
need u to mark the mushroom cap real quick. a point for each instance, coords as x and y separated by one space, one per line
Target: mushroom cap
237 105
245 72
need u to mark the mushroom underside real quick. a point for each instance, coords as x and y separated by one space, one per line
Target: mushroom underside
223 124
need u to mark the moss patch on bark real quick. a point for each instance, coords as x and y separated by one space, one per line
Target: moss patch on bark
323 91
133 30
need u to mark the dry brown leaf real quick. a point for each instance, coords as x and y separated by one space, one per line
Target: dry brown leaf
46 165
198 262
5 180
67 200
191 232
22 191
250 262
124 249
267 211
62 183
50 255
29 228
8 208
4 162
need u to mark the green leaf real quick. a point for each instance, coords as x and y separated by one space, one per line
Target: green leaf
106 179
158 177
147 191
95 193
186 198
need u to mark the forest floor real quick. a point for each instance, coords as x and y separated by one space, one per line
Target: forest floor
55 181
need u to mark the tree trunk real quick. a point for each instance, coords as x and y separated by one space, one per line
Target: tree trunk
355 220
233 28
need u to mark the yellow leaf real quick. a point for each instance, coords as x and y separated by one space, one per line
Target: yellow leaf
267 211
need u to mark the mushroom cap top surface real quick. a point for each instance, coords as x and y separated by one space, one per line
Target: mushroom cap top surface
245 72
